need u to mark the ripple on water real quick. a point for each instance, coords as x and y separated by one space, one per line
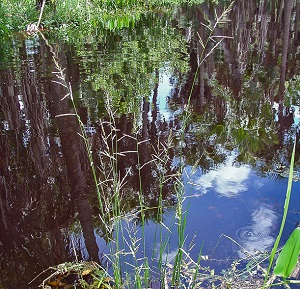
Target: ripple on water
248 234
258 236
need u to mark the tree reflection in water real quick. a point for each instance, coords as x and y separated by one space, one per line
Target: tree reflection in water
46 185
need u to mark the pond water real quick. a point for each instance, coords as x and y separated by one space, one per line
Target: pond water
167 121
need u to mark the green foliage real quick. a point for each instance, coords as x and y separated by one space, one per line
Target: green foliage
293 91
288 257
3 28
139 55
17 14
116 3
69 14
90 275
128 75
175 2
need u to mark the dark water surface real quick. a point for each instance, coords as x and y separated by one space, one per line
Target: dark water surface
142 85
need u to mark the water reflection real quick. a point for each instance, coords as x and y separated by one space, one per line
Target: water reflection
146 73
45 182
259 236
228 180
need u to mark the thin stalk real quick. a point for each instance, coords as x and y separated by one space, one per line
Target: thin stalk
41 13
285 211
141 201
180 188
62 80
181 225
198 264
116 262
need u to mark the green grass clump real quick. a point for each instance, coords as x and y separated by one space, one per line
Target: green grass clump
127 248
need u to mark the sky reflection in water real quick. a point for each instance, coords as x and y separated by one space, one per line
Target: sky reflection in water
236 202
258 236
228 179
229 198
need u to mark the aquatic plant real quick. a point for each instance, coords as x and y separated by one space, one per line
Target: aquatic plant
86 275
114 216
126 248
288 256
181 215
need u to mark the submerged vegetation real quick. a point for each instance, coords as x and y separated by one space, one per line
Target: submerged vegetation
104 152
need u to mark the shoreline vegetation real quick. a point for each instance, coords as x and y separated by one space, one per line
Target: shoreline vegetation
122 236
79 15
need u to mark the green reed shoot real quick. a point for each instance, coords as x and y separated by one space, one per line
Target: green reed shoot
179 188
285 211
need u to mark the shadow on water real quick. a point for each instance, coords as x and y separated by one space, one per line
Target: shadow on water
242 120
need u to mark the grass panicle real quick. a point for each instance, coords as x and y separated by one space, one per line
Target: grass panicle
126 237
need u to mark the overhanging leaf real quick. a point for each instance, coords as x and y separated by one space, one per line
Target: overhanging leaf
288 257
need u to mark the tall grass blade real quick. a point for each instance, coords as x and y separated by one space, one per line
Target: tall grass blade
286 206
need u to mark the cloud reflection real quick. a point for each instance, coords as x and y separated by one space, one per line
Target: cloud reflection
228 180
258 236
